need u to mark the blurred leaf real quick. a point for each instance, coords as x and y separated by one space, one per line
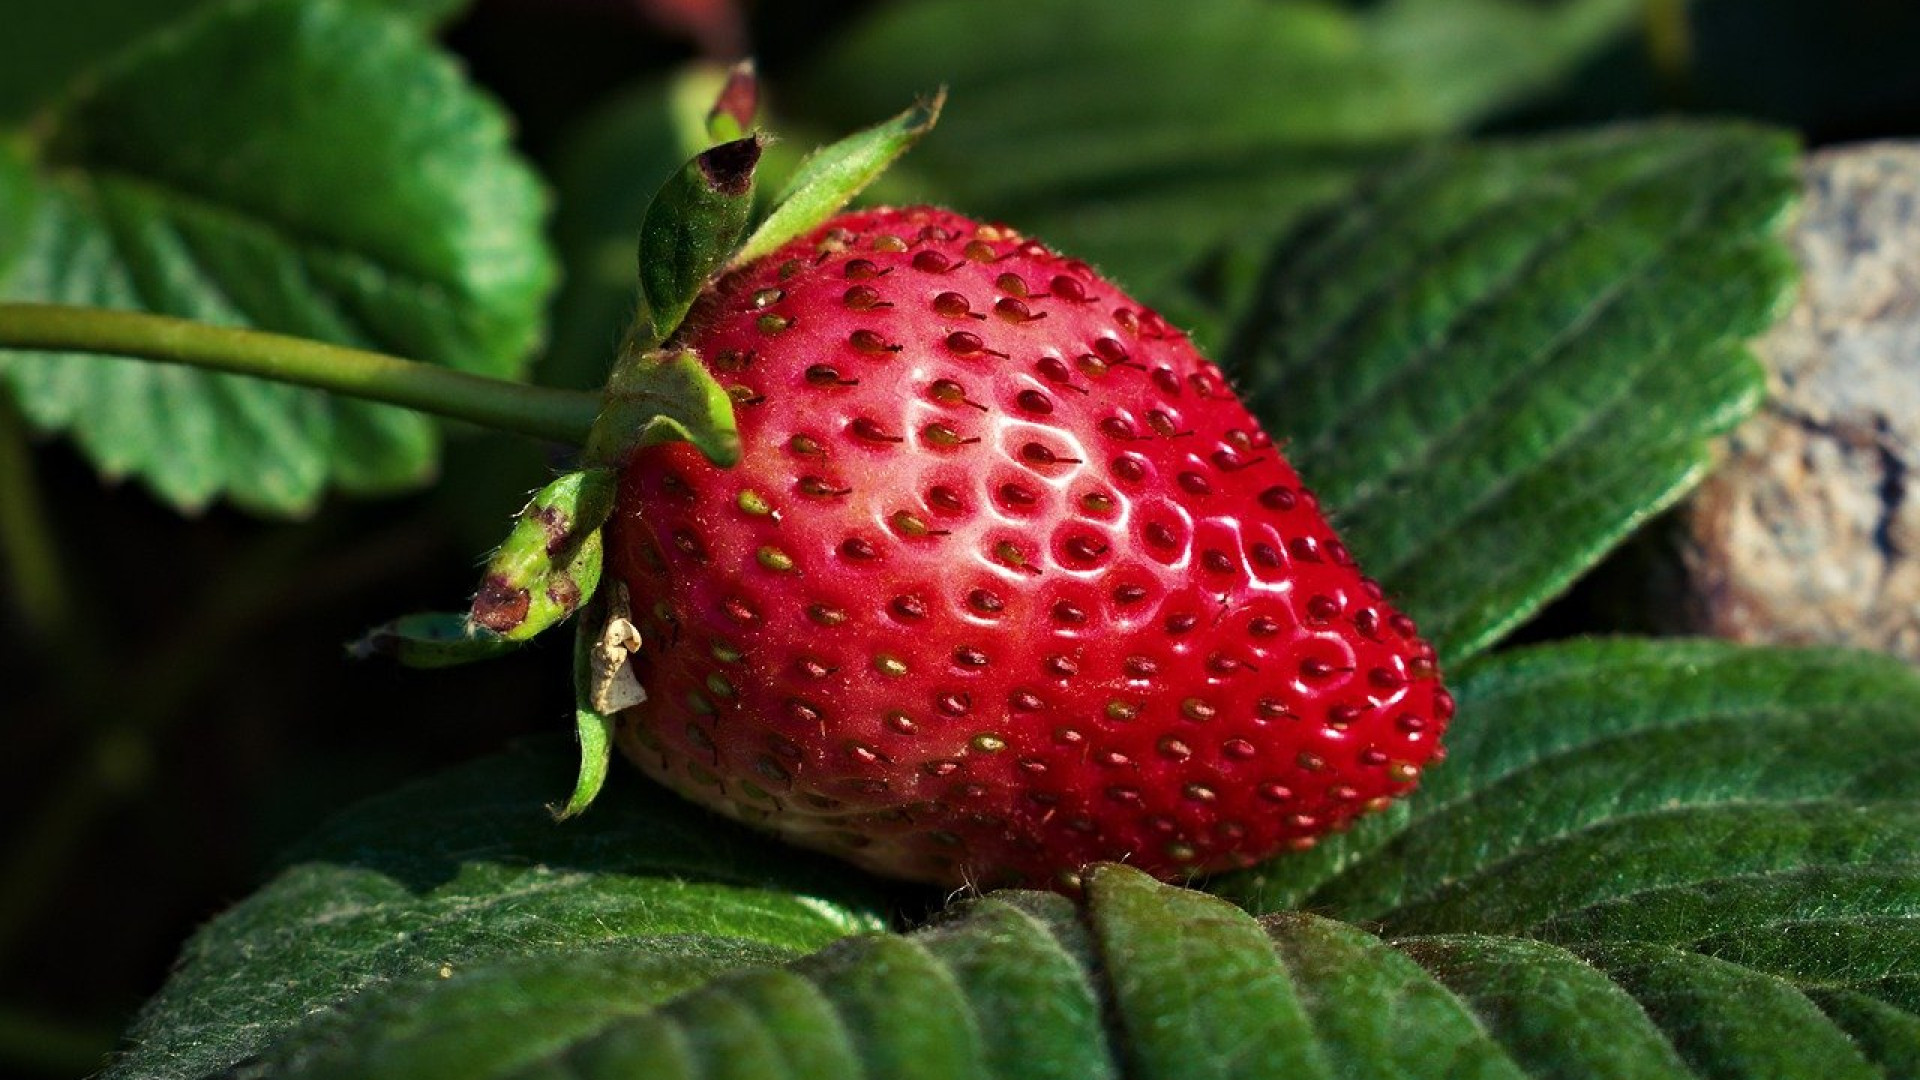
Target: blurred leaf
1139 136
47 45
311 168
468 872
1496 362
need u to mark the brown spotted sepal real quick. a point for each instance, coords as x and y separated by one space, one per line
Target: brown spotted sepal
548 567
550 562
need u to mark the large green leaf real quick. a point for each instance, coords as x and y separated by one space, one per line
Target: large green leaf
1139 135
48 45
1644 859
465 880
1499 360
1660 791
316 168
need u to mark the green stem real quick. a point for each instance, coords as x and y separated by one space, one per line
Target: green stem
542 412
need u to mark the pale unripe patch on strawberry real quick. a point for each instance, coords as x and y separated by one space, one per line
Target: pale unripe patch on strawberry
1006 580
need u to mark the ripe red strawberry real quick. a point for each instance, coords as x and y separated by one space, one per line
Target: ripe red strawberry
1006 581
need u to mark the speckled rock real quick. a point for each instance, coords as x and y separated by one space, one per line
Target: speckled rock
1810 531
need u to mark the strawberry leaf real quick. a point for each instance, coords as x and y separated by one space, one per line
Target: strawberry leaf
1150 140
467 872
1643 859
1498 361
313 168
1712 762
48 46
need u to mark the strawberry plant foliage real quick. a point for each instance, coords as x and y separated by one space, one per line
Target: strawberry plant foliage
1298 100
1490 361
1642 859
1496 361
48 46
467 870
1786 953
202 174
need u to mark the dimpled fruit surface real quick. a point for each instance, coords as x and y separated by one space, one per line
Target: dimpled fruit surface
1006 581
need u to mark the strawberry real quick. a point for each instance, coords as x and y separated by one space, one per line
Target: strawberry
1006 580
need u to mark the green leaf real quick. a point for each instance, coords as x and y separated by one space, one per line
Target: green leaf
691 229
1715 784
1002 989
468 872
207 174
1728 1020
1140 140
1376 1013
1186 968
1802 963
830 177
1499 361
507 1018
48 46
1555 1015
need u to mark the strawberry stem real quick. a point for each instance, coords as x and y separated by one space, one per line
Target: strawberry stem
542 412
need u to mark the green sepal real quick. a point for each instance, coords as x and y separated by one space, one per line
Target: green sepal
550 562
656 397
830 177
433 639
595 728
736 105
689 231
604 642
